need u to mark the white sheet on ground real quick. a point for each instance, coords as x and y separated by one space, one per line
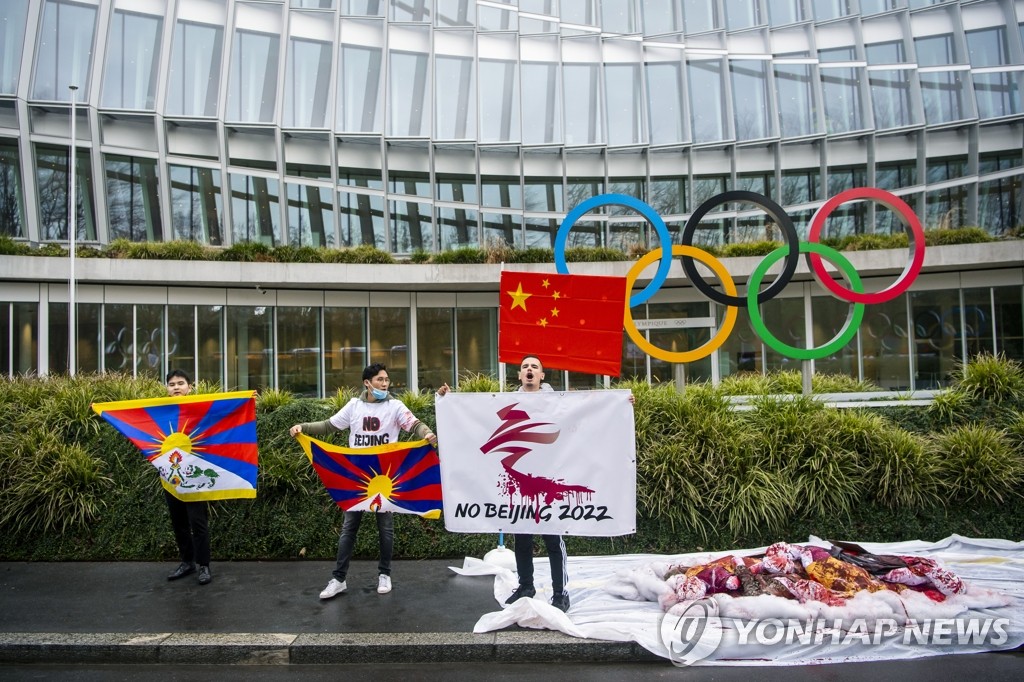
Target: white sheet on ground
871 626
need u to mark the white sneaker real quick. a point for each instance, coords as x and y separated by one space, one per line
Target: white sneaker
383 584
333 588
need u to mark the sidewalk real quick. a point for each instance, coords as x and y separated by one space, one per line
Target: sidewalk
265 612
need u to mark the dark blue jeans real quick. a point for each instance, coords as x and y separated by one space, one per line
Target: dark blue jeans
347 541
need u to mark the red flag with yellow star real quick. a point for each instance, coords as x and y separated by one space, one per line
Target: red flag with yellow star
571 322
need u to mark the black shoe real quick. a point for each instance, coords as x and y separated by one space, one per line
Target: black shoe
205 577
561 601
185 568
521 591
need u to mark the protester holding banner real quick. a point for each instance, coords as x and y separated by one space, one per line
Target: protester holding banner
190 520
531 378
373 419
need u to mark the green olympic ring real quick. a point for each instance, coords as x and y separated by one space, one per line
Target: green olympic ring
845 334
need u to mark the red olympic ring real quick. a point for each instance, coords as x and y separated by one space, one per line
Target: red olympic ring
893 203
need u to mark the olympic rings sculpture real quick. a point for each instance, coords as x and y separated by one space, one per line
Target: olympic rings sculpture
812 249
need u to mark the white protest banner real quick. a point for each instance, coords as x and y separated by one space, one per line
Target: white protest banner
538 462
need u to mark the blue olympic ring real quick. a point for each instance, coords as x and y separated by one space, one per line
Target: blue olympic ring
640 207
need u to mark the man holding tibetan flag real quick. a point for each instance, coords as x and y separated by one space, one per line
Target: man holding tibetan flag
382 476
571 322
204 447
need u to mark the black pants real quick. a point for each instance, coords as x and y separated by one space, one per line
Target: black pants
190 521
556 555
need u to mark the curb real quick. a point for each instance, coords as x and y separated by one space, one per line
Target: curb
323 648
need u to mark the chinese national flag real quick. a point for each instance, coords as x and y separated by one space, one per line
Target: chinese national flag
571 322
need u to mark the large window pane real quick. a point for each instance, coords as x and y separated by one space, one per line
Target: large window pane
307 83
841 91
196 204
12 206
944 94
249 348
210 333
64 50
456 111
583 119
52 187
936 337
705 85
665 92
411 227
890 98
87 348
255 210
1010 321
360 93
25 343
885 345
998 94
661 16
408 85
252 83
194 71
298 356
750 98
742 350
784 318
499 103
434 348
700 15
389 344
118 337
679 340
133 202
1001 204
133 50
181 338
310 216
624 102
502 229
830 315
542 120
476 332
345 346
796 98
12 39
457 227
149 341
975 319
362 220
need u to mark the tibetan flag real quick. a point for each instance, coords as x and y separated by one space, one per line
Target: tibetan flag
204 446
571 322
404 478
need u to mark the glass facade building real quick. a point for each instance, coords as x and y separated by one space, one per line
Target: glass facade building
427 125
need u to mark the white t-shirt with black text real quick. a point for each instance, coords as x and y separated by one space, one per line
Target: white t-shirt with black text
372 424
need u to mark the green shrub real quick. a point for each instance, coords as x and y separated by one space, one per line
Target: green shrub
963 235
745 249
533 255
271 399
461 255
247 252
9 247
977 462
990 377
419 256
593 254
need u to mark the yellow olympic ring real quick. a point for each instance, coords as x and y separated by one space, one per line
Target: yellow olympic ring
730 311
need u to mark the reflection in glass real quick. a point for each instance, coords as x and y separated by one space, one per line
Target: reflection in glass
583 113
149 341
455 12
252 83
298 353
210 332
624 102
64 50
12 39
412 227
944 96
841 92
389 344
742 350
435 349
740 14
118 337
133 200
543 194
456 110
890 98
410 10
708 120
800 186
129 81
974 319
934 316
249 348
998 94
502 229
25 338
499 102
307 83
457 227
181 338
829 315
310 215
12 223
937 50
662 16
477 341
345 348
542 120
665 95
1001 204
668 195
540 232
194 72
362 220
1009 321
196 204
784 318
409 92
52 187
360 95
796 98
254 210
750 98
885 344
700 15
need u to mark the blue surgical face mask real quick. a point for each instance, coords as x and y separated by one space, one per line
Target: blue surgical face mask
379 394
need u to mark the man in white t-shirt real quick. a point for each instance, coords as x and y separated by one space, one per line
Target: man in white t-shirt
374 418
